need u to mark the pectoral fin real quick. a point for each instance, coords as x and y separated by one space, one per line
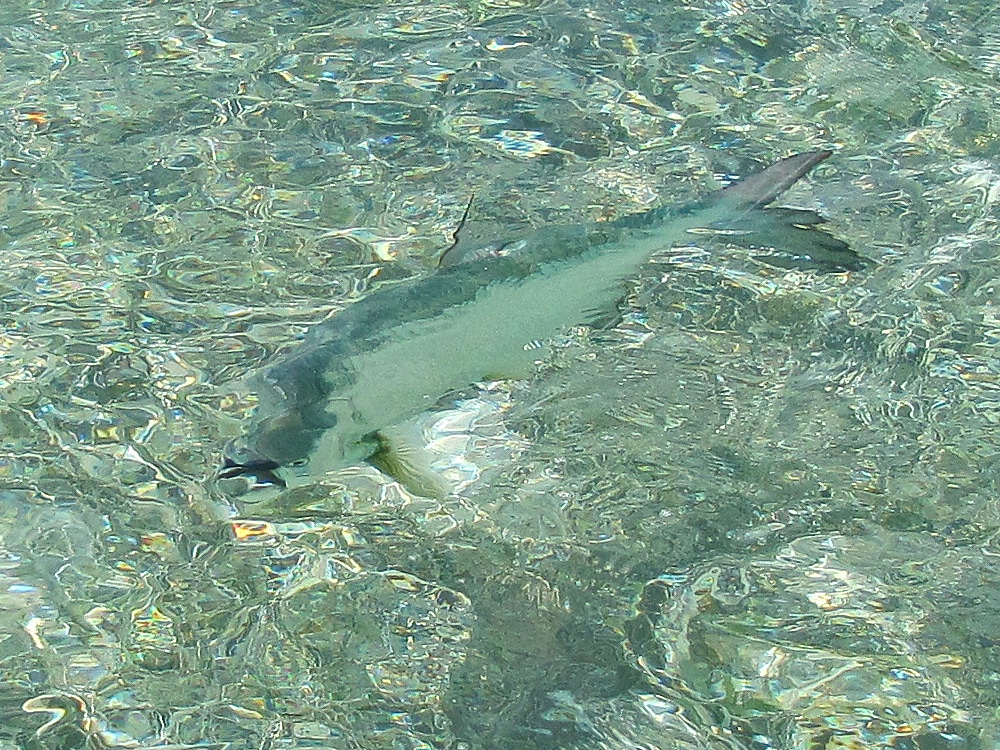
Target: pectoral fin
403 455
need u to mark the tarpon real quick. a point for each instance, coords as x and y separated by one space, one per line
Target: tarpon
395 353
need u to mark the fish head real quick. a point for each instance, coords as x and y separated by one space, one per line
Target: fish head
284 439
299 444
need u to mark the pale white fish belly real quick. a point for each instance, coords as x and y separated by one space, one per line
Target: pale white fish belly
489 337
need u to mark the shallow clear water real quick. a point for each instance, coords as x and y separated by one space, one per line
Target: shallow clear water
759 512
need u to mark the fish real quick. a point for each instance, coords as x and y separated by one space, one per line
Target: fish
394 354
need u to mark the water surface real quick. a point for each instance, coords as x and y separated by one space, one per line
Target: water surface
759 512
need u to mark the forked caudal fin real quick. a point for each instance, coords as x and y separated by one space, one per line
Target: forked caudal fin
757 190
784 237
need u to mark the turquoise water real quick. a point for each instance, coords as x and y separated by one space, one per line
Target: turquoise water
759 512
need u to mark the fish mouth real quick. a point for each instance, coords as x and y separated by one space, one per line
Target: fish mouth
279 440
262 470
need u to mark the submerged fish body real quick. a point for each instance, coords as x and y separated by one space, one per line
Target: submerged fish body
394 354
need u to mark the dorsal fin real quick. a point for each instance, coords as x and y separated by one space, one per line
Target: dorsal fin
448 256
475 242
